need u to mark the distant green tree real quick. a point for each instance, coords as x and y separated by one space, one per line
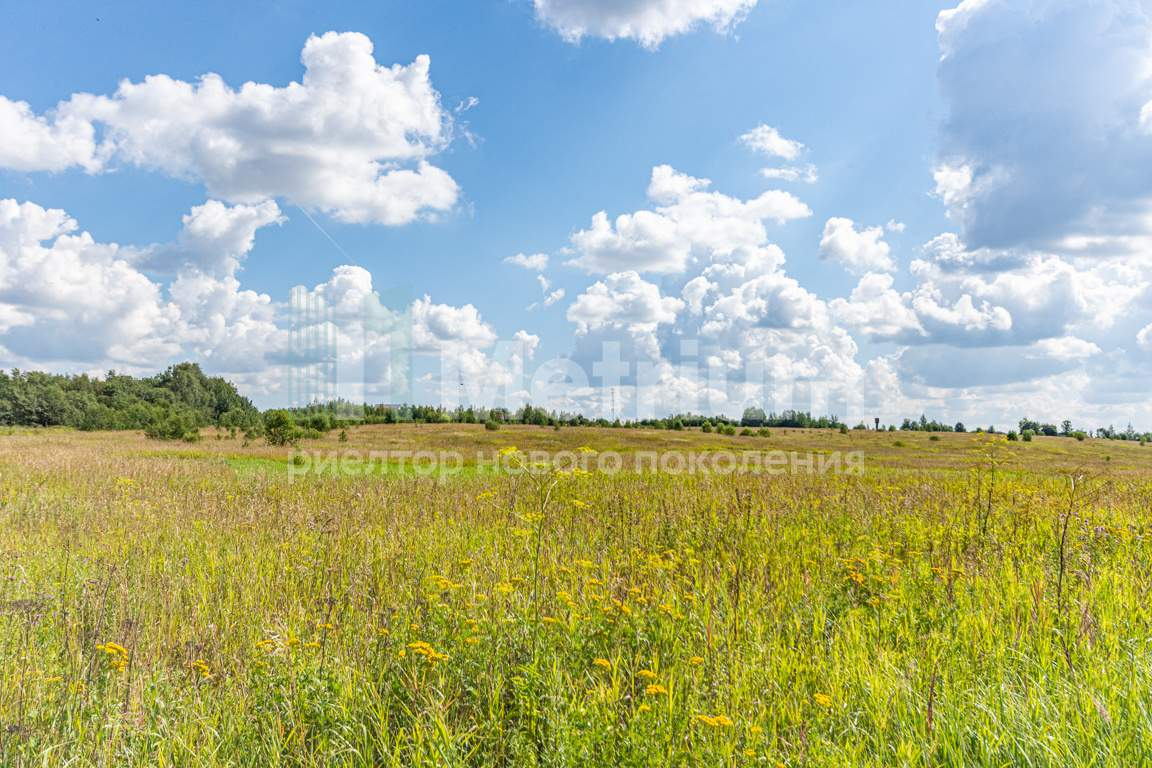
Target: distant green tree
753 417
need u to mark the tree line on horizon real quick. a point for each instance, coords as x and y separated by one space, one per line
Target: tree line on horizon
180 401
175 403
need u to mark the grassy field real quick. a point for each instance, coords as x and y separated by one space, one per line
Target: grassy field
960 601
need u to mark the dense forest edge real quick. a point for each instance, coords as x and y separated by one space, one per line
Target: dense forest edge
182 400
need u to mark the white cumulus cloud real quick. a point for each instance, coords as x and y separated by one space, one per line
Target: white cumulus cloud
767 140
623 300
66 297
353 138
535 262
648 22
690 223
1144 337
859 251
805 173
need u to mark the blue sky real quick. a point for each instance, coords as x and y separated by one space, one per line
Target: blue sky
904 115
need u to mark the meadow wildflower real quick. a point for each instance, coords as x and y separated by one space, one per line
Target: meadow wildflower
422 648
715 721
115 655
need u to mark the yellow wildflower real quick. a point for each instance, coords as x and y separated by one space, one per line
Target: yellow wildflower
117 655
715 721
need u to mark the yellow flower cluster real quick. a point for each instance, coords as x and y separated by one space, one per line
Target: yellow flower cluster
424 649
443 583
715 721
116 655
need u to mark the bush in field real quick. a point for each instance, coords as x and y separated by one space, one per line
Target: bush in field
318 422
177 425
280 428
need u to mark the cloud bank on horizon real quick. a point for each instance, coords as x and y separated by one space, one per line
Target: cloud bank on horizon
1038 301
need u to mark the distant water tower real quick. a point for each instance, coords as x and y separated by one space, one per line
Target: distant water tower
877 423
